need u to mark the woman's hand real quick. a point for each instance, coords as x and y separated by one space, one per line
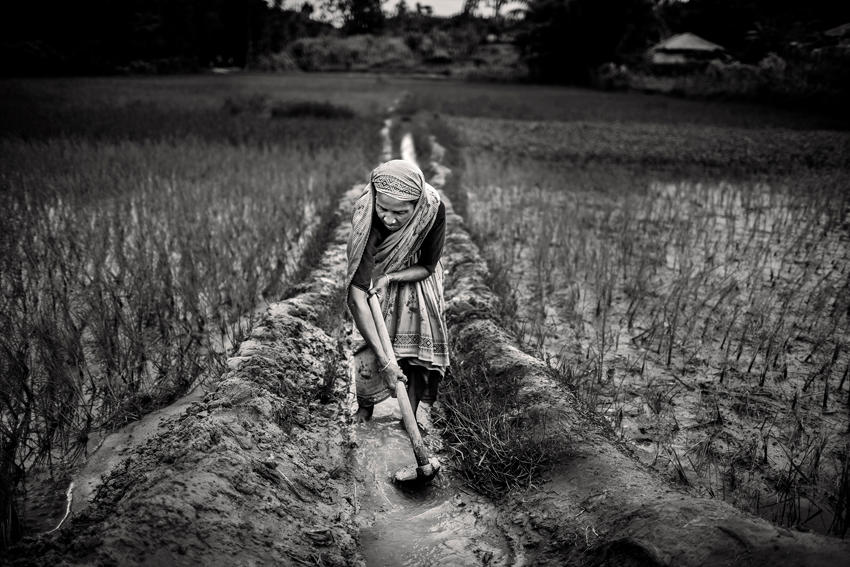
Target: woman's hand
379 287
392 373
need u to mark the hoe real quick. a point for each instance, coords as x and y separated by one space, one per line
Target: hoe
426 468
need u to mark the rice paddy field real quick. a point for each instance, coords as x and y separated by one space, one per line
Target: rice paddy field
687 276
683 266
145 221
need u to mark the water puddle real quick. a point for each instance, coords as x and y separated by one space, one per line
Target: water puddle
440 524
113 447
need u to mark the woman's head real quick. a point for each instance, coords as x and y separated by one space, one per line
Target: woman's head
398 186
394 213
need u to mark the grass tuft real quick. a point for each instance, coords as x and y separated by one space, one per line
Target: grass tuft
496 445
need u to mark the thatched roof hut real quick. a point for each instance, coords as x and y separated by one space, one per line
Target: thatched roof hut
685 49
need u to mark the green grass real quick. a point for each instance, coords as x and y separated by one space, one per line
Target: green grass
692 148
496 445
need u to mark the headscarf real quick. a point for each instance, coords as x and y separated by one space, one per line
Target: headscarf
398 179
401 180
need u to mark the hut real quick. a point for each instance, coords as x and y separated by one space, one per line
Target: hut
684 52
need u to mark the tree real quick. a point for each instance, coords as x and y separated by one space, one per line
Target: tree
752 28
566 40
362 16
470 7
497 6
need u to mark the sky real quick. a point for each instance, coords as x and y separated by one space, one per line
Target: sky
441 7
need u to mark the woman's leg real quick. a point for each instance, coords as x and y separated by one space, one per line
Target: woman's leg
417 383
364 411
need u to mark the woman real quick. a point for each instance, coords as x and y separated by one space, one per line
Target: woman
397 236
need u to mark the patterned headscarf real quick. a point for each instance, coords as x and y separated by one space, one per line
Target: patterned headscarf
401 180
413 311
398 179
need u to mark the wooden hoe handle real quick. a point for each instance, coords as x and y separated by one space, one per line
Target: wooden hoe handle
400 390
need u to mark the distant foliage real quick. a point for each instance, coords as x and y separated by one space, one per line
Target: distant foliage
751 29
352 53
362 16
100 36
565 40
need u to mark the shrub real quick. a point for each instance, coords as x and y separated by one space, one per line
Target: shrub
358 52
310 109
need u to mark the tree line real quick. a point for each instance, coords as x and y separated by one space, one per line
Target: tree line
565 40
561 40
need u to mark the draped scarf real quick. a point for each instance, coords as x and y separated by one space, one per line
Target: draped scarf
413 311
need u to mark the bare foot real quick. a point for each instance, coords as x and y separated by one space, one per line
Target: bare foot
363 414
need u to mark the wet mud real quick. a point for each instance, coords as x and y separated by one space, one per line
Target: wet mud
437 524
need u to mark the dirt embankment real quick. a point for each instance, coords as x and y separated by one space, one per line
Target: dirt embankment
257 473
599 504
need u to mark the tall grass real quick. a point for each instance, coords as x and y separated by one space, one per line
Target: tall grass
138 241
665 298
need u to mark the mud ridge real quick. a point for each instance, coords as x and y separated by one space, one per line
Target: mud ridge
599 505
258 472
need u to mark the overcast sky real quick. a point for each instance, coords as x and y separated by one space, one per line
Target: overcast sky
441 7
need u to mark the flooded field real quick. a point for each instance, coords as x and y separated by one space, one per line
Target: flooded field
145 226
705 317
681 267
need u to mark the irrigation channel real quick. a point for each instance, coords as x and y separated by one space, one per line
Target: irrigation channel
442 523
439 524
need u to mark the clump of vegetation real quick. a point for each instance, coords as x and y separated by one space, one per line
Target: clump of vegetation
310 109
260 104
488 431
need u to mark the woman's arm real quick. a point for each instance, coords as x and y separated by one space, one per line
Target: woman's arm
358 304
412 274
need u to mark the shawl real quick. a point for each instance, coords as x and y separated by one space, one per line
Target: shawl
413 311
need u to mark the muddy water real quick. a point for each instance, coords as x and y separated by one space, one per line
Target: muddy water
440 524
